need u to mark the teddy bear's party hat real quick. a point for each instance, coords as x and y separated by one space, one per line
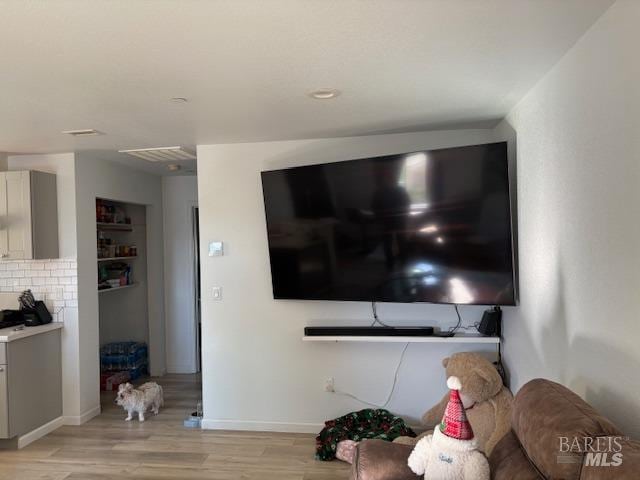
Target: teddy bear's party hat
454 423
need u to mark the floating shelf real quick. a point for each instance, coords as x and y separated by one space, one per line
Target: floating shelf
124 227
111 289
462 338
110 259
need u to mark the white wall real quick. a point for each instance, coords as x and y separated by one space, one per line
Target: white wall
104 179
257 372
578 148
179 196
63 166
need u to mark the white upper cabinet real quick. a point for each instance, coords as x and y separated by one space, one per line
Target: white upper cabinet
28 216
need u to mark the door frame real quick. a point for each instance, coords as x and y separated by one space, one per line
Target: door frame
195 243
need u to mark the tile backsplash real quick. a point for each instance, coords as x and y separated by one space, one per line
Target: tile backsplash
53 281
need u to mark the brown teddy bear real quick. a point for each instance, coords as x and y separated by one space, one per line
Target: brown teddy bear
486 400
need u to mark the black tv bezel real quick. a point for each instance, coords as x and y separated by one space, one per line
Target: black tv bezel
512 229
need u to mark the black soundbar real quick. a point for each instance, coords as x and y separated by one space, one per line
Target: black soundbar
368 331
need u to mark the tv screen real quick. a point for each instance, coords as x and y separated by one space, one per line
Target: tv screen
429 226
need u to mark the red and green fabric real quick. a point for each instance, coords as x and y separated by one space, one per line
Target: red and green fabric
365 424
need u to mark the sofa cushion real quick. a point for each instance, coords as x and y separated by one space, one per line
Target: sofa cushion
380 460
544 413
508 461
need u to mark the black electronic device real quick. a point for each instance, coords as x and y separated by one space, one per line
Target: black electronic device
427 226
368 331
491 323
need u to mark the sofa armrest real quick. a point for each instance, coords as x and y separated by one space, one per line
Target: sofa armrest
380 460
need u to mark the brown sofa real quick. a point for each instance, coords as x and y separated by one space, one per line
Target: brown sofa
543 412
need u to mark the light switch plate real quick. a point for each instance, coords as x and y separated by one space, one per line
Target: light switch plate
217 293
216 249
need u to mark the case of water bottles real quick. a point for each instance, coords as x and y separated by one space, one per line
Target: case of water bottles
131 357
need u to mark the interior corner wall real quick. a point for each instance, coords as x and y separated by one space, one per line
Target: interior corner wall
179 196
257 372
96 178
578 158
63 166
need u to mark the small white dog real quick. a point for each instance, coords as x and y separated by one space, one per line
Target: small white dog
148 395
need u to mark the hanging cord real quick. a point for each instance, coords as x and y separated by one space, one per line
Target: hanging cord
374 310
499 366
376 319
393 386
453 330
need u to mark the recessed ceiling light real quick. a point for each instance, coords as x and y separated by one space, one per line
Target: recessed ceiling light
179 99
86 132
324 93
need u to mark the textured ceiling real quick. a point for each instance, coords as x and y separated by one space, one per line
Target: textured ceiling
247 66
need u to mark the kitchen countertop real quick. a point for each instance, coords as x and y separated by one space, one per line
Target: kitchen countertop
10 334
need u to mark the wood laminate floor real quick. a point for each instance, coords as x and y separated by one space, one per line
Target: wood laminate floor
108 448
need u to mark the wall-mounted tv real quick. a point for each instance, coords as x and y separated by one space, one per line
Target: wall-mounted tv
429 226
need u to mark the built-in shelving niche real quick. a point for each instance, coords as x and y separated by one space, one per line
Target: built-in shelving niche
123 307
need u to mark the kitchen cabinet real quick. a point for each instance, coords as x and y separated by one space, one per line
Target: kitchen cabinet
4 400
28 215
30 379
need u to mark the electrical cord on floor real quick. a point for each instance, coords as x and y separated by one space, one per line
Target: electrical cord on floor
393 387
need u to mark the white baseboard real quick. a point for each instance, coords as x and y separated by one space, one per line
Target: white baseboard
85 417
181 369
258 426
40 432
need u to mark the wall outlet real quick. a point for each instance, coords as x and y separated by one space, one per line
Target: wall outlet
330 385
217 293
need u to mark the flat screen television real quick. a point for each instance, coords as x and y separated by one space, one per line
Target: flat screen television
429 226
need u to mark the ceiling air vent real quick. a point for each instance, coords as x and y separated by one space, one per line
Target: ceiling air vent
86 132
161 154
